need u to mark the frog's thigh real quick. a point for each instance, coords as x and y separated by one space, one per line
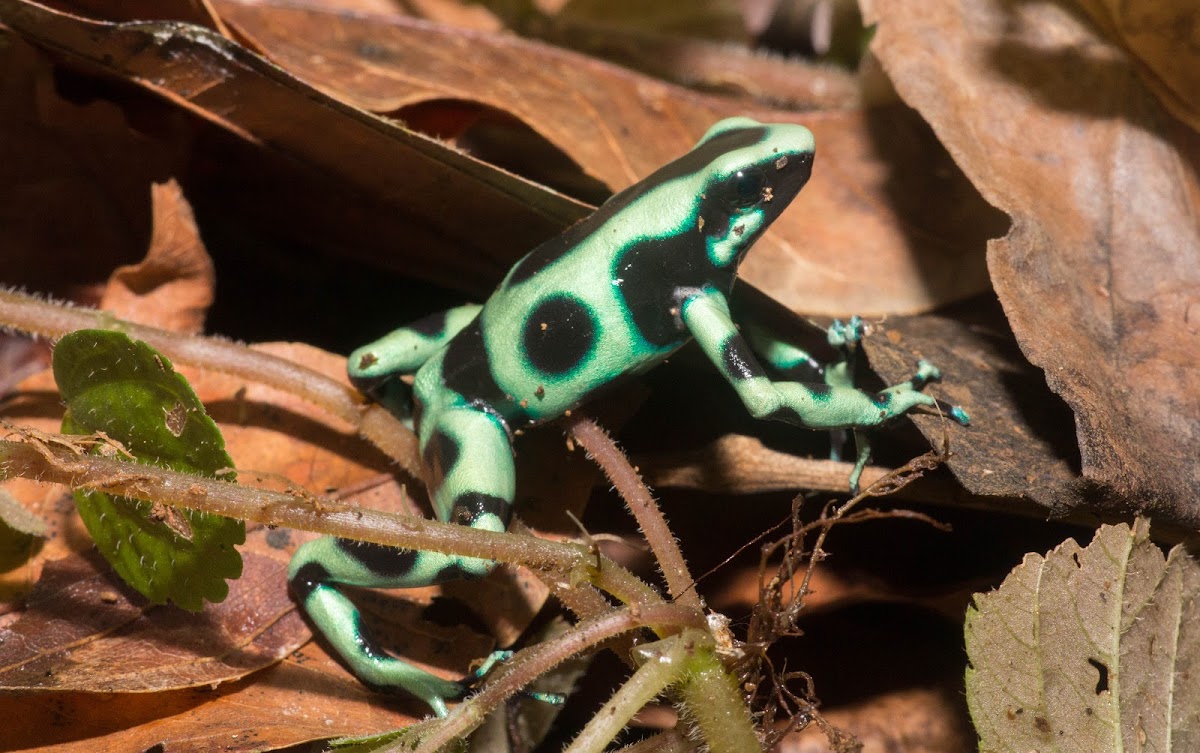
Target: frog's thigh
470 466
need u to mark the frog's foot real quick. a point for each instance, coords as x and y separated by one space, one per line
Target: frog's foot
899 399
469 682
926 373
845 335
863 444
391 392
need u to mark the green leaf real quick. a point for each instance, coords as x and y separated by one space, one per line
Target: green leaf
131 392
1089 649
20 532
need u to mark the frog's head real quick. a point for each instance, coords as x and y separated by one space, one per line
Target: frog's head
750 172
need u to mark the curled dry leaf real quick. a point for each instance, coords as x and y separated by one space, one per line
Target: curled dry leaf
350 179
1100 273
1160 38
172 287
75 181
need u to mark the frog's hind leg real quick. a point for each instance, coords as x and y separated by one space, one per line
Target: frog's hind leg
471 483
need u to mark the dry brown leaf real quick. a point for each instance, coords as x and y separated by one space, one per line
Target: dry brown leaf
706 19
392 183
197 12
172 287
466 15
83 630
1160 36
1099 274
713 67
308 696
919 234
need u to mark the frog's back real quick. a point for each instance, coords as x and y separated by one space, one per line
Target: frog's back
603 299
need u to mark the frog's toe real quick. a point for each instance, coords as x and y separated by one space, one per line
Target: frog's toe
958 415
843 334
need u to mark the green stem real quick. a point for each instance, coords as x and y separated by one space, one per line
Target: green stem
662 663
715 704
536 660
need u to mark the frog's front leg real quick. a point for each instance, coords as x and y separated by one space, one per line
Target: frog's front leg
375 368
833 404
788 360
471 482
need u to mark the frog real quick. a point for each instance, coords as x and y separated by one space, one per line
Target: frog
613 296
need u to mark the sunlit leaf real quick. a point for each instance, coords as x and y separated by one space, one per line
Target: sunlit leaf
131 393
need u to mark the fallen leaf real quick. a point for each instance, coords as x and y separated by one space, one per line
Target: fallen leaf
1156 35
1098 276
172 287
393 183
921 242
75 181
82 629
1089 649
308 696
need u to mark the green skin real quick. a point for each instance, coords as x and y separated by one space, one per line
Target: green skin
613 296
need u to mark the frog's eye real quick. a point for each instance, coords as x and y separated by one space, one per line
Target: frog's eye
745 188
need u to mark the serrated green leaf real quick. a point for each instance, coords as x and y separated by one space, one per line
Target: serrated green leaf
1089 649
131 392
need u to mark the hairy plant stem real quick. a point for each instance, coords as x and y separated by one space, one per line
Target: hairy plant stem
54 458
715 704
667 741
662 663
641 503
536 660
53 320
